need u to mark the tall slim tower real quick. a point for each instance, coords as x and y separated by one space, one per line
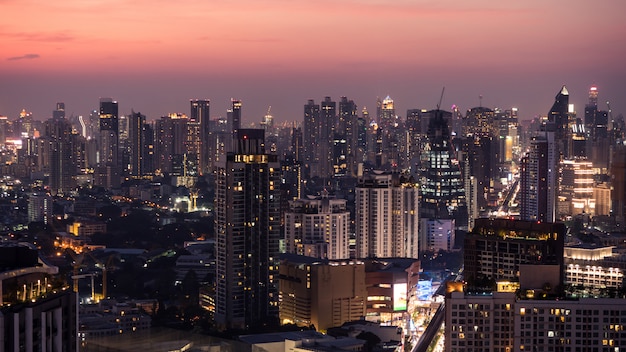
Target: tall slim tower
109 141
200 115
310 159
247 228
558 121
137 140
234 117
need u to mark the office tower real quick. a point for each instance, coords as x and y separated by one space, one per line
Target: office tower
387 216
322 293
310 138
538 180
62 159
479 122
200 114
247 228
496 248
347 129
137 143
596 124
318 228
59 112
576 188
109 144
443 196
176 141
558 122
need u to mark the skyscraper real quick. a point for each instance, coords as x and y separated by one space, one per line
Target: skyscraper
137 141
247 228
310 158
200 114
109 143
234 115
558 121
443 195
387 217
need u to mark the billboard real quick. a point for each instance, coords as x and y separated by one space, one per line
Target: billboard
424 290
399 296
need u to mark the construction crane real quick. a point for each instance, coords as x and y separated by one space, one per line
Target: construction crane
82 276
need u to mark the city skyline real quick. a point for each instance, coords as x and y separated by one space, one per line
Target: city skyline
154 59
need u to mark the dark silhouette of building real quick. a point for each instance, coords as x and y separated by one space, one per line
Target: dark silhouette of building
247 228
495 249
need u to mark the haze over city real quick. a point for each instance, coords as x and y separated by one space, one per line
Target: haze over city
153 56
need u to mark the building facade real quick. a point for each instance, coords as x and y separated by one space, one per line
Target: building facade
247 227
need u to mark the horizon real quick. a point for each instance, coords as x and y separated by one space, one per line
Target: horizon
154 58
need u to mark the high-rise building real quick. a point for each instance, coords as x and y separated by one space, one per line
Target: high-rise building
387 217
311 134
538 180
234 115
576 188
109 161
443 195
200 110
62 154
247 228
318 228
328 113
559 122
346 129
59 112
137 144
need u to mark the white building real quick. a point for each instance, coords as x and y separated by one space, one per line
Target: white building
387 217
318 228
593 267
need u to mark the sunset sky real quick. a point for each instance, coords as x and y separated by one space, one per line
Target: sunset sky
154 55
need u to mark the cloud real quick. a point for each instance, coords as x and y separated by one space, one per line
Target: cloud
24 57
39 36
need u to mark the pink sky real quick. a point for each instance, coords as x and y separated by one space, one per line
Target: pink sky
154 55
